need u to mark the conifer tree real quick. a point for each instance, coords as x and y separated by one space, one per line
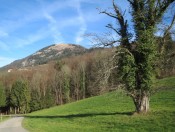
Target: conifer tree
20 97
2 97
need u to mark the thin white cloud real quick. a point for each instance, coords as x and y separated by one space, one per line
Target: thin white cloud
31 39
20 42
45 10
54 30
56 25
53 6
79 36
21 28
31 15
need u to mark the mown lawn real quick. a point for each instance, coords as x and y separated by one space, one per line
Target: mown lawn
109 112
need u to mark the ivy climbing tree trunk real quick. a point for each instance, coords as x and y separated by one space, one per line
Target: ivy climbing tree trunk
135 60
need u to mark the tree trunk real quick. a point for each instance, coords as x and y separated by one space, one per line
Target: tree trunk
61 99
15 110
77 92
141 103
18 110
57 97
60 95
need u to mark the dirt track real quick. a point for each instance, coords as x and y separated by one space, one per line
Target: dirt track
12 125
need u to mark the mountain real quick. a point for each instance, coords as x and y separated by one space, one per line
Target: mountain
47 54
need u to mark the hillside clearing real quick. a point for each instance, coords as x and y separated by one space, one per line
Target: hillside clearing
109 112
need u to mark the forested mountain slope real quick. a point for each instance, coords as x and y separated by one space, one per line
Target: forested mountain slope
47 54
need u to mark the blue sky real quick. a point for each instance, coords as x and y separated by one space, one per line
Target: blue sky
29 25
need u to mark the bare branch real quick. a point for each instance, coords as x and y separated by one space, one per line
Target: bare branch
161 8
131 2
122 31
107 13
105 39
111 27
170 26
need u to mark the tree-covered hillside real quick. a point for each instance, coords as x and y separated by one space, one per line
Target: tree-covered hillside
67 80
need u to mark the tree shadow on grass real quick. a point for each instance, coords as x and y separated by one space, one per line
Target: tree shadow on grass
80 115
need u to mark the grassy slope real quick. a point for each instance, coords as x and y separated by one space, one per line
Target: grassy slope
109 112
3 118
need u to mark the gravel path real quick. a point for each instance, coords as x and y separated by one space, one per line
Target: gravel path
12 125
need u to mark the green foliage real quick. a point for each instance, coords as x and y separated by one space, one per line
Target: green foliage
136 60
41 101
108 112
66 88
48 100
35 103
20 96
126 68
83 81
63 69
145 53
135 66
2 96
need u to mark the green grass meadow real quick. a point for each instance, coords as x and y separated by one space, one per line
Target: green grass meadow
111 112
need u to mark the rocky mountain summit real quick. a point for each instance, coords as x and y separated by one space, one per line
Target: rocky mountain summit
47 54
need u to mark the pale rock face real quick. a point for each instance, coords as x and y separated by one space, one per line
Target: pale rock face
61 47
9 70
24 63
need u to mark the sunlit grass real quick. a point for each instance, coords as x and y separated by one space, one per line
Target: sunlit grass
168 82
109 112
